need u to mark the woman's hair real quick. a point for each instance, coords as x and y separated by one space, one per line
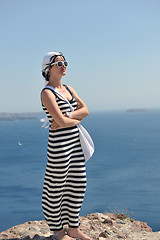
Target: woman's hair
46 74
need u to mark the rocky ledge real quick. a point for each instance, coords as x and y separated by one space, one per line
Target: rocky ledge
97 225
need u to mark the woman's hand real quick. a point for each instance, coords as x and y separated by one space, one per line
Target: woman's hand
79 105
54 125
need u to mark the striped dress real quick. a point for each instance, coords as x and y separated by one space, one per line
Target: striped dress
65 177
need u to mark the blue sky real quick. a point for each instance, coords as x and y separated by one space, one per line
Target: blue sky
113 49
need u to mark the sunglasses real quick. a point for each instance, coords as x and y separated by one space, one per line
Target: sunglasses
60 64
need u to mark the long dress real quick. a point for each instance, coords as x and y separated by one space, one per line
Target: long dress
65 176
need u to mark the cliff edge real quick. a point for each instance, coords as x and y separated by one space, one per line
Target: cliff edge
99 226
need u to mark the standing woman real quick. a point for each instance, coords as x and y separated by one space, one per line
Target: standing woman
65 177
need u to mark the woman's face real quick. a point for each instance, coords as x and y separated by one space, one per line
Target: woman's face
58 70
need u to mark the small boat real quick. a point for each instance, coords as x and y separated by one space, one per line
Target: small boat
19 143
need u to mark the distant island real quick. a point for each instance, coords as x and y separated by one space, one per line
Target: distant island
138 110
6 116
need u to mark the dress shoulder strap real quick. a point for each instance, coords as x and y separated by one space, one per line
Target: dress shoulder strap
67 89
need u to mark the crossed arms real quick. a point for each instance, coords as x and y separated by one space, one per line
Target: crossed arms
61 120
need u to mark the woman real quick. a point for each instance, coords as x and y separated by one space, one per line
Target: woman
65 176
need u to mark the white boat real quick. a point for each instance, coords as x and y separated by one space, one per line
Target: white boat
19 143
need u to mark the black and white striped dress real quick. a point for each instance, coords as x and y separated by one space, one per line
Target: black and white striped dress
65 177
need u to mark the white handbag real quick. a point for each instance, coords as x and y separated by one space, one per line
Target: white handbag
85 139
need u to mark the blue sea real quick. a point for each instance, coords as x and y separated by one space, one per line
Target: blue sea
124 171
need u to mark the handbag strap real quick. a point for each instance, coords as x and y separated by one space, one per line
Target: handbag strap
55 90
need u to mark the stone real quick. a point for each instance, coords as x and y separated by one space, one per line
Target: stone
103 234
108 221
32 229
120 222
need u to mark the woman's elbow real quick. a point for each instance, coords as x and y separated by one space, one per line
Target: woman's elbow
86 112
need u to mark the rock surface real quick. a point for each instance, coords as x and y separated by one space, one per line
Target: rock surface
97 225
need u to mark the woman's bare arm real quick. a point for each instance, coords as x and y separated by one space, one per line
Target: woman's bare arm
49 101
82 110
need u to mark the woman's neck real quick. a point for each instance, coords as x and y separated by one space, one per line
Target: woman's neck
55 82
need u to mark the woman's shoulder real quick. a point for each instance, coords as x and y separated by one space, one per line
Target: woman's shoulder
47 92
